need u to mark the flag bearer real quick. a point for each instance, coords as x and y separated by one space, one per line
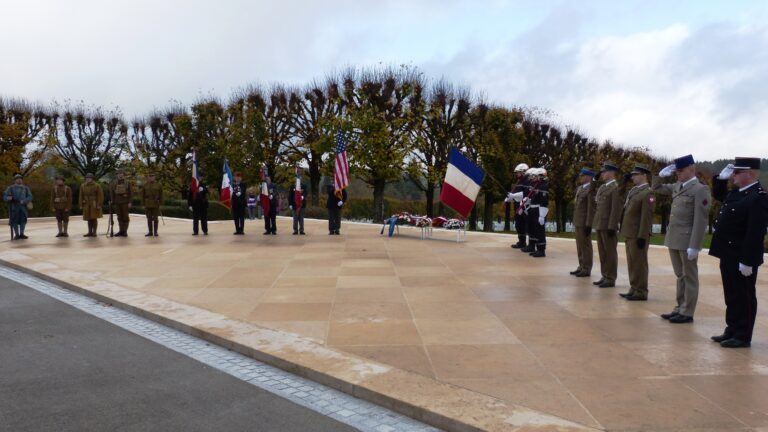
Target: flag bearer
537 214
522 185
198 205
334 204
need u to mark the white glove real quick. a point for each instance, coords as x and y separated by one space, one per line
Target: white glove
517 196
667 171
190 208
270 196
541 220
290 207
200 189
745 270
303 198
692 254
341 203
237 194
726 173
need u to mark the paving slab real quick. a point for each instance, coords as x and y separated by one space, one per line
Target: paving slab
460 335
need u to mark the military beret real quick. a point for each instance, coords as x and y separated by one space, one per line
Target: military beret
746 163
684 161
587 172
609 166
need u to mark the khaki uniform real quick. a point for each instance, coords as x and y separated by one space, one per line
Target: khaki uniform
687 225
121 194
91 200
583 213
607 216
152 198
636 224
61 203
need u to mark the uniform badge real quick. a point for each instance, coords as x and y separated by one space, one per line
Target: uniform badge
704 203
652 199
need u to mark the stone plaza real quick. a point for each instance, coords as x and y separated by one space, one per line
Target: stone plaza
474 333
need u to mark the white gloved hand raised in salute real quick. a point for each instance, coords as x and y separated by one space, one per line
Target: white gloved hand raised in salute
726 173
667 171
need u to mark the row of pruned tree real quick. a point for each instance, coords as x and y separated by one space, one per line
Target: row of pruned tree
397 124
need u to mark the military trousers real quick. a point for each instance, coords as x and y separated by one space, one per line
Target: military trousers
521 226
584 249
121 211
740 299
687 273
637 267
609 259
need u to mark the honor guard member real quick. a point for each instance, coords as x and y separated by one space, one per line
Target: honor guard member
61 203
18 197
636 225
608 206
152 197
270 218
688 221
738 242
239 203
583 213
298 208
522 185
198 205
121 193
91 202
537 214
334 203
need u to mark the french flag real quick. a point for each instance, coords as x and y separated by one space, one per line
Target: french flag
226 186
462 183
195 175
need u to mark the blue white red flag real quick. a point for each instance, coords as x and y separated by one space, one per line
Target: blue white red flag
225 196
264 195
298 194
195 184
462 183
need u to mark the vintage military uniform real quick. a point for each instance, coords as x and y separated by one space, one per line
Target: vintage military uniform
523 186
608 207
688 222
61 203
198 203
121 194
152 198
738 242
636 225
91 202
583 213
537 213
17 196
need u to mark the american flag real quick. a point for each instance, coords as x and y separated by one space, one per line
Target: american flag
341 169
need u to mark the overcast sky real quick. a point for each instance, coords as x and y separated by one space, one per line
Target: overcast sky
675 76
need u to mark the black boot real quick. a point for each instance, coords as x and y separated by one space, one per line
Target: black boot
149 229
155 231
539 251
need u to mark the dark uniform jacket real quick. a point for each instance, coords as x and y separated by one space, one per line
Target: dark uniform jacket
200 201
61 197
292 196
333 200
741 224
242 200
540 196
524 186
120 192
152 195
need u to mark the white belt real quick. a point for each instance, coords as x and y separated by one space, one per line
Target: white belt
534 206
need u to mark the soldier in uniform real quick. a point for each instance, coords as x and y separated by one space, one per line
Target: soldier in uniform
333 204
688 220
608 206
61 203
121 193
91 202
738 242
298 208
152 197
239 203
270 218
198 205
583 212
523 186
18 196
537 214
636 225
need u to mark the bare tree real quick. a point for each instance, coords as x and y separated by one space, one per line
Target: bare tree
24 134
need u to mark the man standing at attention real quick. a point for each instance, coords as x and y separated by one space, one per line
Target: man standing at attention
91 201
17 195
239 203
334 204
61 202
608 206
583 213
121 193
636 228
152 197
738 242
688 221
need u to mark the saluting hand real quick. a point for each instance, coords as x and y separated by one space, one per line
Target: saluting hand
726 173
667 171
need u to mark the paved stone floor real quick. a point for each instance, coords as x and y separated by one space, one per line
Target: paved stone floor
477 315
